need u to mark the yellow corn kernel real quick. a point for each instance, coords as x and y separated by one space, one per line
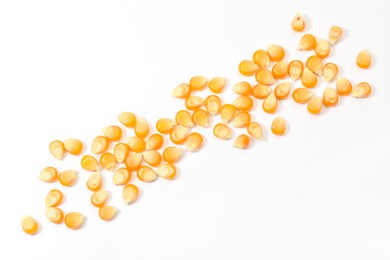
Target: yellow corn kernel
242 119
99 198
212 104
309 79
242 88
302 95
315 105
53 198
127 119
278 126
100 144
154 142
55 215
322 49
343 86
48 174
314 63
133 161
275 52
67 178
141 128
362 90
280 70
179 134
89 163
30 225
121 151
264 77
282 90
137 144
193 102
165 125
222 131
151 157
298 23
255 130
330 71
130 193
270 104
261 91
243 103
247 67
167 171
307 43
335 34
217 84
172 154
74 220
94 182
242 142
183 117
121 176
146 174
330 97
181 91
194 142
261 58
363 59
107 213
73 146
228 111
113 132
108 162
201 118
198 83
57 149
295 69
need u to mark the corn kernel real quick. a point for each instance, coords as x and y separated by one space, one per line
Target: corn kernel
261 91
309 79
361 90
275 52
151 157
242 142
74 220
121 151
330 71
73 146
314 63
55 215
137 144
146 174
255 130
270 104
198 83
89 163
322 49
53 198
107 213
247 67
121 176
193 102
280 70
222 131
141 128
363 59
133 161
194 142
298 23
100 144
330 97
167 171
57 149
242 88
261 58
243 103
154 142
67 178
94 182
183 117
181 91
201 118
130 193
315 105
165 125
228 111
30 225
48 174
172 154
264 77
108 162
302 95
99 198
295 69
212 104
127 119
217 84
242 119
113 132
335 34
278 126
179 134
307 43
282 90
343 86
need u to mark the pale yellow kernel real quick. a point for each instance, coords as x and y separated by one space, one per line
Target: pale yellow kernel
335 34
212 104
363 59
278 126
295 69
330 97
228 111
55 215
74 220
181 91
201 118
261 91
152 157
137 144
30 225
264 77
282 90
315 105
48 174
165 125
107 213
243 103
67 178
298 23
100 144
261 59
141 128
127 119
270 104
217 84
130 193
322 49
302 95
194 142
146 174
242 142
167 171
113 132
89 163
121 176
242 119
255 130
57 149
330 71
179 134
53 198
154 142
309 79
198 83
121 151
95 182
99 198
280 70
307 42
242 88
314 63
183 117
193 102
275 52
172 154
222 131
108 161
133 161
361 90
73 146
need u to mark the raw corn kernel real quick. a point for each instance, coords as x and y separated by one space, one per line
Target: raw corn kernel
198 83
261 91
121 151
194 142
330 97
108 162
314 63
330 71
261 58
100 144
55 215
242 119
99 198
242 88
282 90
172 154
242 142
309 79
154 142
165 125
127 119
298 23
361 90
363 59
53 198
167 171
222 131
181 91
243 103
280 70
121 176
137 144
201 118
217 84
193 102
343 86
247 67
67 178
315 105
264 77
30 225
212 104
278 126
94 182
57 149
74 220
130 193
152 157
322 49
113 132
302 95
295 69
255 130
270 104
179 134
133 161
228 111
146 174
73 146
107 213
307 43
335 34
89 163
183 117
48 174
275 52
141 128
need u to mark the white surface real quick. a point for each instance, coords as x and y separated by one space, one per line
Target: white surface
67 68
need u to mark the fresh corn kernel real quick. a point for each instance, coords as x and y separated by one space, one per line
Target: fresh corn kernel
242 142
361 90
121 176
298 23
212 104
137 144
48 174
343 86
330 97
183 117
261 91
53 198
314 63
302 95
275 52
127 119
201 118
141 128
270 104
280 70
194 142
165 125
255 130
130 193
74 220
335 34
67 178
167 171
107 213
154 142
108 162
172 154
121 151
133 161
243 103
99 198
73 146
179 134
57 149
151 157
247 67
363 59
322 49
146 174
330 71
228 111
181 91
242 88
100 144
295 69
261 58
222 131
242 119
89 163
29 225
282 90
217 84
278 126
94 182
264 77
309 79
55 215
315 105
198 83
307 43
193 102
113 132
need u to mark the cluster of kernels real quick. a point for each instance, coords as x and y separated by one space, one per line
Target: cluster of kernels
58 148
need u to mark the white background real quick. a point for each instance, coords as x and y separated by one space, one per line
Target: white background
67 68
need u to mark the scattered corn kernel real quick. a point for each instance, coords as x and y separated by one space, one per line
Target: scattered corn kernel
121 151
242 88
243 103
113 132
315 105
247 67
335 34
121 176
314 63
194 142
108 161
130 193
222 131
242 119
322 49
298 23
167 171
261 58
198 83
270 104
53 198
99 198
261 91
146 174
73 146
30 225
307 43
57 149
165 125
330 71
242 142
152 157
278 126
183 117
255 130
302 95
363 59
94 182
179 134
280 70
74 220
137 144
55 215
282 90
127 119
343 86
89 163
107 213
48 174
217 84
133 161
228 111
67 178
141 128
330 97
361 90
181 91
309 79
193 102
201 118
172 154
100 144
212 104
295 69
264 77
154 142
275 52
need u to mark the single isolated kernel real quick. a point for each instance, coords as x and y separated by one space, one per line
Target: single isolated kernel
55 215
100 144
167 171
108 161
322 49
48 174
361 90
67 178
141 128
307 43
152 157
280 70
335 34
74 220
53 198
264 77
302 95
298 23
255 130
181 91
183 117
270 104
133 161
57 149
73 146
217 84
330 71
212 104
154 142
243 103
261 58
198 83
247 67
99 198
121 176
295 69
228 111
309 79
193 102
261 91
278 126
172 154
315 105
201 118
275 52
165 125
95 182
127 119
343 86
130 193
330 97
30 225
363 60
194 142
242 119
282 90
146 174
222 131
179 134
89 163
314 63
113 132
137 144
242 88
121 151
242 142
107 213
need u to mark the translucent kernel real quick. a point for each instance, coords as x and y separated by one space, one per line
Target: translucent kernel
242 142
100 144
89 163
242 119
179 134
127 119
94 182
227 112
280 70
193 102
133 161
165 125
309 79
255 130
242 88
212 104
57 149
167 171
121 176
275 52
307 42
154 142
108 161
264 77
361 90
322 49
278 126
298 23
48 174
261 58
55 215
201 118
141 128
137 144
30 225
222 131
172 154
363 59
270 104
243 103
315 105
67 178
107 213
282 90
343 86
146 174
113 132
183 117
73 146
330 71
314 63
335 34
53 198
130 193
99 198
261 91
194 142
198 83
330 97
295 69
121 151
247 67
302 95
151 157
74 220
181 91
217 84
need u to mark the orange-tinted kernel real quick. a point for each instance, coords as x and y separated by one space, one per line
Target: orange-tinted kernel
99 198
95 182
322 49
121 176
280 70
309 79
183 117
261 59
242 142
89 163
243 103
181 91
67 178
255 130
133 161
302 95
57 149
242 119
275 52
264 77
193 102
151 157
194 142
222 131
154 142
141 128
73 146
198 83
270 104
295 69
100 144
217 84
247 67
308 42
55 215
278 126
298 23
30 225
48 174
165 125
330 97
113 132
261 91
146 174
330 71
343 86
53 198
130 193
212 104
242 88
121 151
172 154
335 34
363 59
227 112
108 161
137 144
362 90
201 118
74 220
314 63
315 105
167 171
282 90
127 119
107 213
